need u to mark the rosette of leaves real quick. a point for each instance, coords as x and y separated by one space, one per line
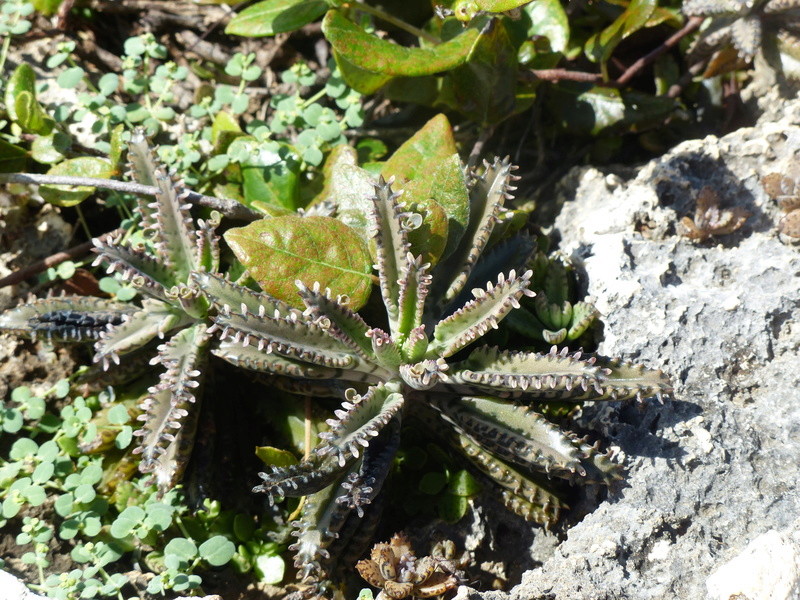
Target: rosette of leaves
553 315
746 26
159 268
422 357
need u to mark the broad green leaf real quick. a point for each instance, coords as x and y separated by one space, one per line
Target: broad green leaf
463 484
12 158
185 549
414 159
375 55
426 167
85 166
483 88
430 238
50 149
280 250
549 19
350 188
600 46
21 103
359 79
217 550
117 145
586 109
224 130
275 456
269 569
274 179
416 90
275 16
127 520
498 6
447 187
47 7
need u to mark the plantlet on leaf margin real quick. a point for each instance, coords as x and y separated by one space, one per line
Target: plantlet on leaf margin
425 363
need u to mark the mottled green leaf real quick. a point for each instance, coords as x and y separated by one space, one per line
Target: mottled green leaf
375 55
280 250
275 16
432 143
359 79
85 166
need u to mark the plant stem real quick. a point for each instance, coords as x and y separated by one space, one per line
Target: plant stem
83 223
692 24
400 24
51 261
307 432
230 208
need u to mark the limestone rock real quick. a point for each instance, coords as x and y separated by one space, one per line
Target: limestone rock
713 470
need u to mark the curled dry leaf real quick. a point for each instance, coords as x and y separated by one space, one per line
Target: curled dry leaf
394 568
710 220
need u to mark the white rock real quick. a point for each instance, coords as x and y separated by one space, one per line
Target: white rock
767 569
12 588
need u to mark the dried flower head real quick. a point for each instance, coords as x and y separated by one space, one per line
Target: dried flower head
743 24
394 568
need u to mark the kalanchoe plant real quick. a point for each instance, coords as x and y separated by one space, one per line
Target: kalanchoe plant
553 315
423 360
744 25
159 268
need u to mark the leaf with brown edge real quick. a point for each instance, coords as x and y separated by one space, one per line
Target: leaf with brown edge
372 54
280 250
433 142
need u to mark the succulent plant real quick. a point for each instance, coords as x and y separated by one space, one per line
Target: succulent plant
159 268
552 315
743 24
423 360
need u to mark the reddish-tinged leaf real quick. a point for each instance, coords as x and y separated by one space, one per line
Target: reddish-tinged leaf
375 55
279 250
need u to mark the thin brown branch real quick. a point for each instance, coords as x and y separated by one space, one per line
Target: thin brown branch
53 260
556 75
691 25
675 90
230 208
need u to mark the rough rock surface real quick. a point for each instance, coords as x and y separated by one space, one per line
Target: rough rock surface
712 474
